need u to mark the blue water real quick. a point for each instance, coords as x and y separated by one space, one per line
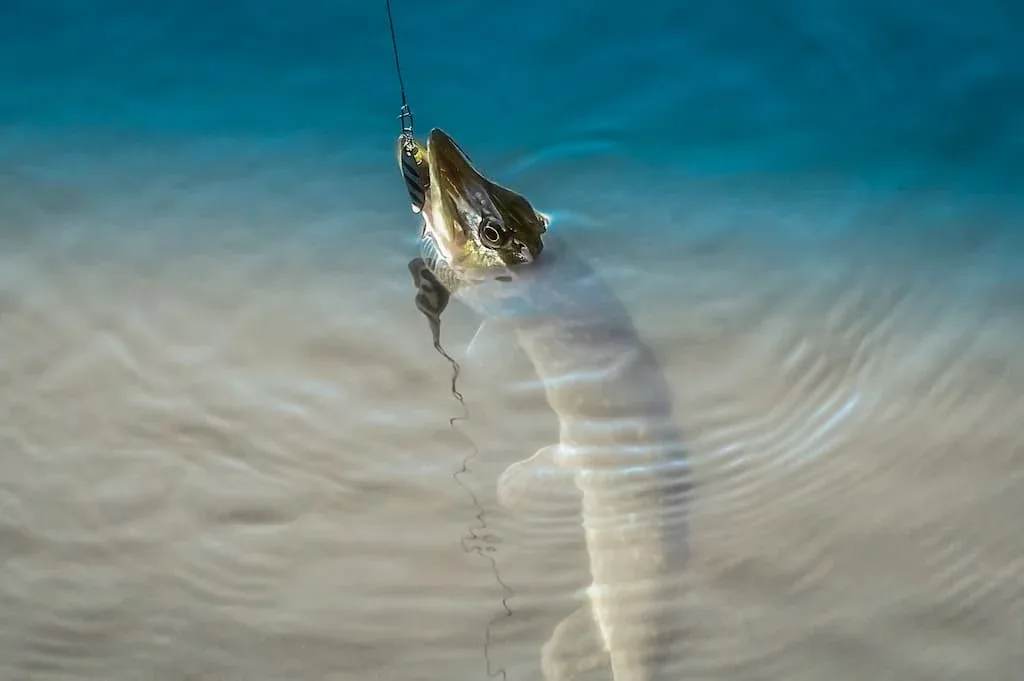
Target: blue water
907 94
865 98
842 144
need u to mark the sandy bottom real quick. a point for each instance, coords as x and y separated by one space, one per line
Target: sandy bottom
227 456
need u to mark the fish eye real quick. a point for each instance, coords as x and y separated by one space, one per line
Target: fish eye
492 235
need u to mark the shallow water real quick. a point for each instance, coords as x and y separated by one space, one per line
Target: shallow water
227 443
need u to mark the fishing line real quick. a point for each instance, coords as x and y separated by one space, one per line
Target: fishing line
477 540
431 299
412 161
405 115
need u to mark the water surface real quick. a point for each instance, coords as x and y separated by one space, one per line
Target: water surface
226 435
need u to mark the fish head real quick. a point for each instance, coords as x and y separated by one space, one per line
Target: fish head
475 225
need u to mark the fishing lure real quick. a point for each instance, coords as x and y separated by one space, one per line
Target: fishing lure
412 156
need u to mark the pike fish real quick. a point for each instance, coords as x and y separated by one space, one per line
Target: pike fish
488 247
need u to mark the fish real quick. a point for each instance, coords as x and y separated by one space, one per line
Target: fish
489 248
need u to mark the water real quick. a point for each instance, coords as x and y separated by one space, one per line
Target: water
226 444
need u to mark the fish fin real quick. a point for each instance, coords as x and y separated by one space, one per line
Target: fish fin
574 647
535 475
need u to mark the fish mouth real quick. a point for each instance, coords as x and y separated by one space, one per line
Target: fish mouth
453 174
461 198
474 223
446 157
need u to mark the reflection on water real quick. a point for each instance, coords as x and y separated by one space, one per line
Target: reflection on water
227 453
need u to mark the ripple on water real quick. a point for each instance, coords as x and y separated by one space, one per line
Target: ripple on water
810 368
803 437
224 447
72 614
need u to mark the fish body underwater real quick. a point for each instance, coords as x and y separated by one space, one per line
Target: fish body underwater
617 436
